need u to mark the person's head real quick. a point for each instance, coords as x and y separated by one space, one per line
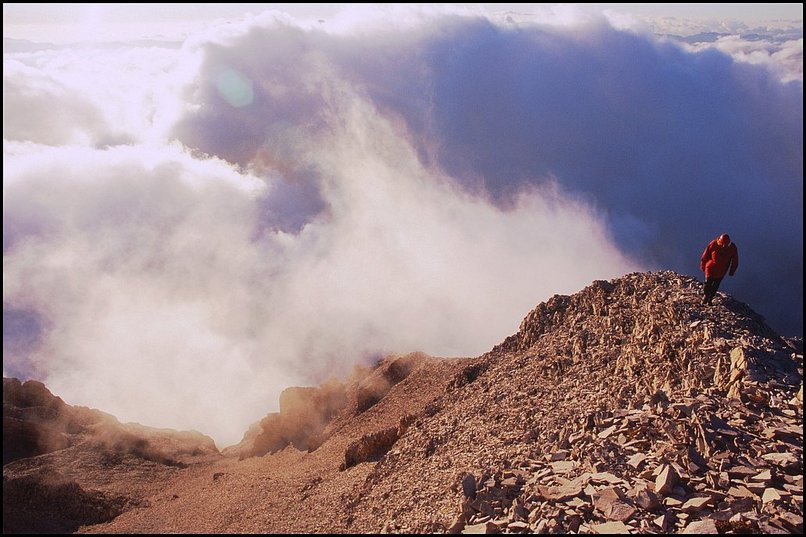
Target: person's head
723 240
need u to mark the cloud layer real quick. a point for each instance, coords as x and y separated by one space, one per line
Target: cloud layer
270 204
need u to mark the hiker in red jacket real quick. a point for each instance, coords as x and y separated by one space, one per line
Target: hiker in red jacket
719 258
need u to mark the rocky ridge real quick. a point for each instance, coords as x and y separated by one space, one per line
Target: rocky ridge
42 494
628 407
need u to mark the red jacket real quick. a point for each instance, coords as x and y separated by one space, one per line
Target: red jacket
717 260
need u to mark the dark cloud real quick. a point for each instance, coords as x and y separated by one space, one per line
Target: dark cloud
672 146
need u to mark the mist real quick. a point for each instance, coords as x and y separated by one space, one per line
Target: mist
272 203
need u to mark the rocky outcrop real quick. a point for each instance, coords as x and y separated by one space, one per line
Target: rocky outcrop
389 372
650 327
36 422
373 446
38 494
304 414
627 407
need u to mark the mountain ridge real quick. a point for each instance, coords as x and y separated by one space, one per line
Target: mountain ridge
517 439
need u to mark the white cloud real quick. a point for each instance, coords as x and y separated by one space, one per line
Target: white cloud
94 96
784 59
141 261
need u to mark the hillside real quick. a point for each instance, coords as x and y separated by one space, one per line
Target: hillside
628 407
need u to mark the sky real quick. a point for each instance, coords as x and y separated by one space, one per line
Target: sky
205 205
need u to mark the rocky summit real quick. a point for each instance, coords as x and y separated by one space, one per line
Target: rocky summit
628 407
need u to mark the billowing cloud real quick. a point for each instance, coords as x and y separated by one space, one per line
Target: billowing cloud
100 97
36 107
785 59
672 146
293 200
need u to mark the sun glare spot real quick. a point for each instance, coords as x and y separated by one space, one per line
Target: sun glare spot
234 88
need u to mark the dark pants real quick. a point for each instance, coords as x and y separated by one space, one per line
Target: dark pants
710 289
